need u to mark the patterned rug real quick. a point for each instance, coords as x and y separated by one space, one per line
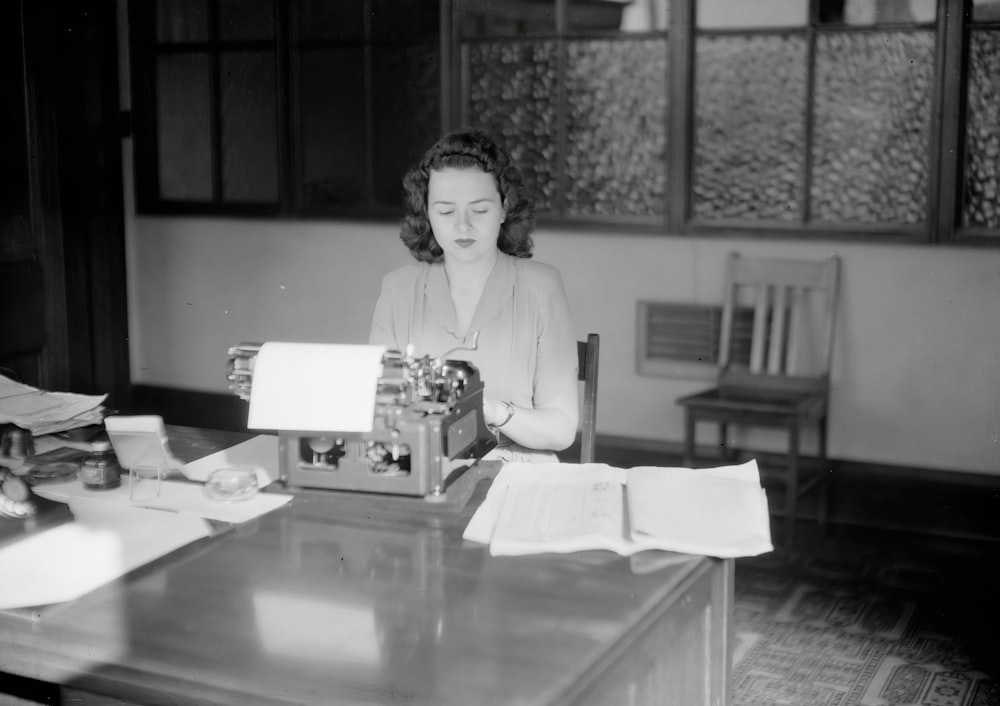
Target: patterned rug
859 624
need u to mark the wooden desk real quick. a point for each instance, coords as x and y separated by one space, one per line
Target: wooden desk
334 601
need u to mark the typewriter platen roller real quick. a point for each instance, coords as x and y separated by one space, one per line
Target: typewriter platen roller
427 424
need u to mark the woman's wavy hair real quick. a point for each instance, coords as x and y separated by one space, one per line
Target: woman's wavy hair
467 148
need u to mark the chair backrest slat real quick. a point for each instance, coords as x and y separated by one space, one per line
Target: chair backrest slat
757 339
779 316
799 315
789 299
728 315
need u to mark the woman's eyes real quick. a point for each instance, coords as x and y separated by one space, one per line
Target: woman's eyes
475 211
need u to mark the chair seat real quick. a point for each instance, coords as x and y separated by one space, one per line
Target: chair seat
738 403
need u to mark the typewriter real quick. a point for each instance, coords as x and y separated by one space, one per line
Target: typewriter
427 427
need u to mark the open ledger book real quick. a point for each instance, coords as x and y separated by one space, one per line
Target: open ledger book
533 508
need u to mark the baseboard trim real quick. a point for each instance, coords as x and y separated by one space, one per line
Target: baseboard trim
191 408
675 449
926 501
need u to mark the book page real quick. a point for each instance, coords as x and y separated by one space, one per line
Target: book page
718 512
483 522
560 518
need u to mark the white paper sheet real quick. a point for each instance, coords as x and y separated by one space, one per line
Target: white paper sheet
315 387
103 542
43 412
259 453
537 508
721 512
180 497
484 520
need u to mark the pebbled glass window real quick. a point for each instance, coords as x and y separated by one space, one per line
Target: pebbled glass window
981 193
579 93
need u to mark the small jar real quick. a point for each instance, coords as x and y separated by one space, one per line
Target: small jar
99 470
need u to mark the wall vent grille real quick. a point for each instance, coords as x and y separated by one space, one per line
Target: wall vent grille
682 340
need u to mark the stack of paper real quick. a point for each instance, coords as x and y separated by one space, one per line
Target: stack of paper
537 508
42 412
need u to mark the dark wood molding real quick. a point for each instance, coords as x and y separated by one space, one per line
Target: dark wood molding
211 410
935 502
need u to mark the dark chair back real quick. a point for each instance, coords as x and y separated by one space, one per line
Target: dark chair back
588 354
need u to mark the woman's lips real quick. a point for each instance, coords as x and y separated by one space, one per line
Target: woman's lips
465 242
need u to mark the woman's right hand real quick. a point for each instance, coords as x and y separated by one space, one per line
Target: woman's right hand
493 411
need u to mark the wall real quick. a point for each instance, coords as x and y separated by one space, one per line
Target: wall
917 370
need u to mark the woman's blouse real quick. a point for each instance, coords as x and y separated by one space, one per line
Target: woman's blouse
526 350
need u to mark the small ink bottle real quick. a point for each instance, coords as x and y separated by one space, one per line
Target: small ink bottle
99 470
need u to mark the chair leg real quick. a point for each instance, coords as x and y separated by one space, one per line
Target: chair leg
792 486
689 438
725 453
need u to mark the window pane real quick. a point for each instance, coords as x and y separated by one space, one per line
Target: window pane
874 94
590 15
246 19
646 16
330 19
749 127
249 127
183 119
986 10
406 115
182 20
727 14
512 94
492 18
404 19
879 12
982 135
617 94
332 148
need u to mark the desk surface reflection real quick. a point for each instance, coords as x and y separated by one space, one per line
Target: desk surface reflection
339 600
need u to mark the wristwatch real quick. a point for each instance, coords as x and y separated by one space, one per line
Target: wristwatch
510 413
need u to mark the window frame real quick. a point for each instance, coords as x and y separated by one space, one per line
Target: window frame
943 216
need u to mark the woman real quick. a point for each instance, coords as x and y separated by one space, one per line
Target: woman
468 223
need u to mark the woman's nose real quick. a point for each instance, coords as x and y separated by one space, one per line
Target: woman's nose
463 221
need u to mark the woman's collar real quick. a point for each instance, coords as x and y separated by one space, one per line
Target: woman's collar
499 288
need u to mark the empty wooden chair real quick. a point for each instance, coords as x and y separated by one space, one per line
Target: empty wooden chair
775 350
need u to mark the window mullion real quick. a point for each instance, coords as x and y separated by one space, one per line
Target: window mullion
369 107
809 129
680 112
283 107
562 108
948 120
214 97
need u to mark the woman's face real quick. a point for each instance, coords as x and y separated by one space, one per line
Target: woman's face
465 212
